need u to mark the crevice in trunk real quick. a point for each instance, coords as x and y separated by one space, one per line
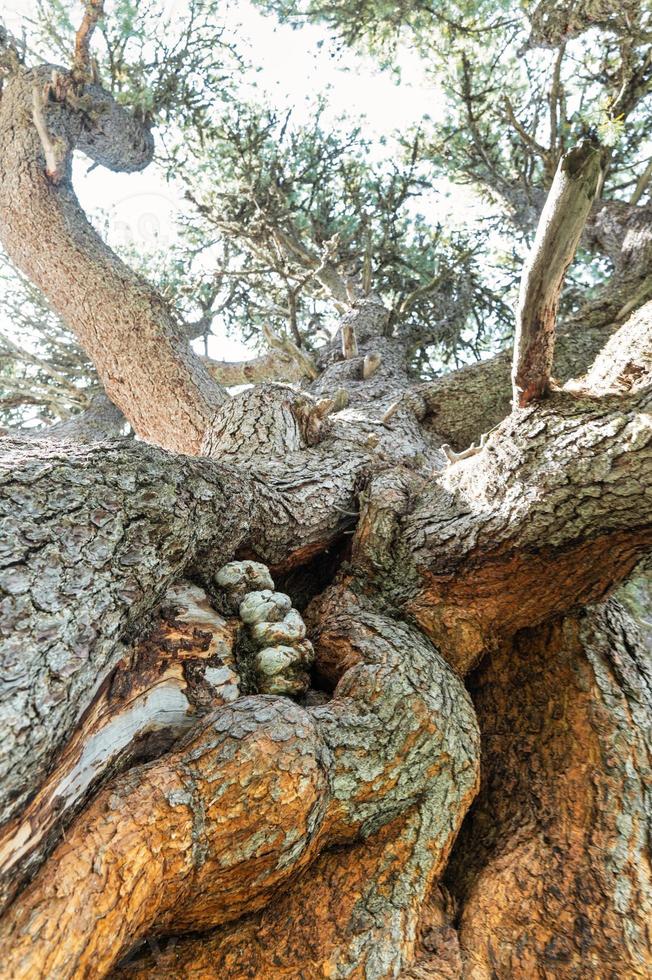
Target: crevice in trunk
550 872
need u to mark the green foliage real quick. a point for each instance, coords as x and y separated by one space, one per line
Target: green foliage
276 214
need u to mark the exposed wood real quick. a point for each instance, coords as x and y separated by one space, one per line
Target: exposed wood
370 365
625 362
155 694
349 342
160 849
560 228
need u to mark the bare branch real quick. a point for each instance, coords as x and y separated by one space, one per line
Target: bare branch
81 71
560 227
642 184
273 366
55 148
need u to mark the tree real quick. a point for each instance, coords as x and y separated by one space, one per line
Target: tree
427 753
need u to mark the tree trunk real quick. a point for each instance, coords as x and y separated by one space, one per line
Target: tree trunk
177 798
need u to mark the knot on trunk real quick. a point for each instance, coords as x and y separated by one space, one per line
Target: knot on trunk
268 421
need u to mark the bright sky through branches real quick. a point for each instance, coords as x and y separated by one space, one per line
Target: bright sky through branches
295 67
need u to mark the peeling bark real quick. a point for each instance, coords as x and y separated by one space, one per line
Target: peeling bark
156 693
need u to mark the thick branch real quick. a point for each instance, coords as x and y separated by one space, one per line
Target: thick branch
268 367
557 492
560 228
249 799
140 352
625 363
157 691
82 63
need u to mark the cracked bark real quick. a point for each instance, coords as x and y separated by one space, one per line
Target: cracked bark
310 838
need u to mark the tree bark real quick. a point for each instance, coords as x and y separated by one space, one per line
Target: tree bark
148 788
551 871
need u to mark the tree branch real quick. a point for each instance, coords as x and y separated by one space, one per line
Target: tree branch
141 353
560 228
180 856
93 13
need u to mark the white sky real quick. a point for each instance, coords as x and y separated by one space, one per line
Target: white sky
296 66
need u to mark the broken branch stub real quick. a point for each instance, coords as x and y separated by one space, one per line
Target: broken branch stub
558 234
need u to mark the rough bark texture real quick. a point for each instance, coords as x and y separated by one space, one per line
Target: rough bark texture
249 799
160 816
552 871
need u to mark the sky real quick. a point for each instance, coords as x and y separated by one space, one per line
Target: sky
295 65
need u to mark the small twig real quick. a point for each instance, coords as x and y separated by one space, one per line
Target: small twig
641 184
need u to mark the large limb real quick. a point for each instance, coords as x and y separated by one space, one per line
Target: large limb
553 511
95 534
185 666
250 798
352 914
139 350
92 537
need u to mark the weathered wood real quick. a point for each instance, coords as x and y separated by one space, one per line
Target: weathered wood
156 693
251 796
558 234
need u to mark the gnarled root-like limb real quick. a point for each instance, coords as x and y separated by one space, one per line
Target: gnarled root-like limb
552 868
251 797
353 914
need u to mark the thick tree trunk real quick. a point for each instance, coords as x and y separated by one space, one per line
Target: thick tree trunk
551 872
177 811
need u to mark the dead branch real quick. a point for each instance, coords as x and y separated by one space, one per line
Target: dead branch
55 148
560 227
